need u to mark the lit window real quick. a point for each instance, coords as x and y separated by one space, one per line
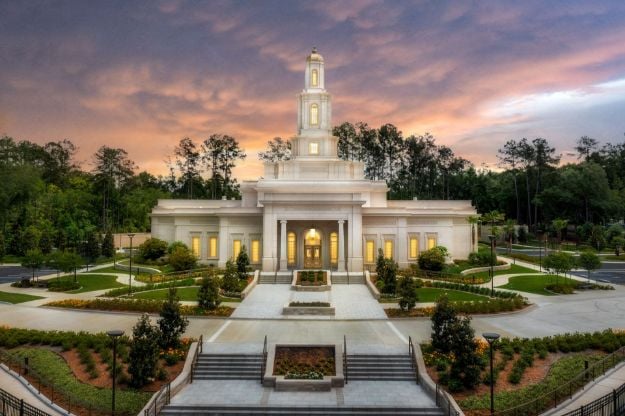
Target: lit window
313 148
370 251
314 78
334 248
431 242
414 247
388 249
290 248
236 248
314 115
212 247
255 251
195 246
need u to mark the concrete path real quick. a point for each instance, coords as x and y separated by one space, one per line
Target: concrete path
592 391
17 389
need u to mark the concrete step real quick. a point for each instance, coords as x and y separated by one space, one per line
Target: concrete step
342 279
228 367
281 280
174 410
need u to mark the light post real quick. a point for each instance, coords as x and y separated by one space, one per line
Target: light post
492 272
540 255
130 235
491 337
114 334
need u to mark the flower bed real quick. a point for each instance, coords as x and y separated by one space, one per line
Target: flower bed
135 305
295 362
470 307
312 278
310 304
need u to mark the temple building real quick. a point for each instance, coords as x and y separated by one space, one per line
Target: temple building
315 210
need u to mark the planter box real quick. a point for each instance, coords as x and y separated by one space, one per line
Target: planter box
311 288
308 310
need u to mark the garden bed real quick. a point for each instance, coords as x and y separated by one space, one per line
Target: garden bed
470 308
138 305
304 368
311 281
309 308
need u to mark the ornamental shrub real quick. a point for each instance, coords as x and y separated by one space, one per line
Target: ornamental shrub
482 258
182 259
443 320
432 260
208 294
172 324
108 245
144 352
230 280
176 244
243 262
408 294
152 249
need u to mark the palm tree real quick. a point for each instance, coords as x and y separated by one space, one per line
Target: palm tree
492 218
473 219
508 229
559 224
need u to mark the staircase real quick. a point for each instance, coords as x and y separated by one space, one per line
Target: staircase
228 367
344 278
380 367
283 279
174 410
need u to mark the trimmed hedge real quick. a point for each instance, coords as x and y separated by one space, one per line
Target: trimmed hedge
475 289
135 305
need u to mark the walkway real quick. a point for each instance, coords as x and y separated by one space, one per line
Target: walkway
594 390
351 302
17 389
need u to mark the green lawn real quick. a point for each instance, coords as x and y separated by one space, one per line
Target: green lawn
514 269
17 297
431 294
91 282
532 284
108 270
184 293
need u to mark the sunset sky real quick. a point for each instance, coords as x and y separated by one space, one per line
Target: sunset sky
142 75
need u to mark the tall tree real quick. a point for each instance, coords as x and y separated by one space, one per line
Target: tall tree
188 162
585 147
278 151
509 157
348 144
544 158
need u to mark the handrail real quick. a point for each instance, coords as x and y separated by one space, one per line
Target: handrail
552 398
345 369
612 403
263 364
413 359
162 399
11 405
198 350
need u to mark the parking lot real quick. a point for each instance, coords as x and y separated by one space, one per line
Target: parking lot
10 274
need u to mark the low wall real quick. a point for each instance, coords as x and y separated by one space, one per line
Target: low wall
308 310
486 268
139 269
372 288
252 285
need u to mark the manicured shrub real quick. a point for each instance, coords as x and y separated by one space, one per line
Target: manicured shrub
152 249
144 352
171 323
432 260
208 294
482 258
407 294
243 262
230 279
182 259
443 321
176 244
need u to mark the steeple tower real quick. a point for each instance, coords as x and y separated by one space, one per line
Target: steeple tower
314 113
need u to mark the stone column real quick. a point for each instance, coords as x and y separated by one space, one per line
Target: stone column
341 243
283 259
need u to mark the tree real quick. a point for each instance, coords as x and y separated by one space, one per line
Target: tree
33 259
91 248
618 243
152 249
559 224
208 293
108 245
407 293
279 150
589 261
444 320
243 262
69 262
144 352
466 365
509 231
230 280
510 157
188 162
2 247
559 263
220 153
171 323
585 146
597 237
348 141
182 259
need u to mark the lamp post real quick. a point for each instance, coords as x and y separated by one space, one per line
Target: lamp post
130 235
492 273
114 334
491 337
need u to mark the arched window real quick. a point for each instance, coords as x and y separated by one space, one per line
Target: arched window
290 247
314 78
334 248
314 115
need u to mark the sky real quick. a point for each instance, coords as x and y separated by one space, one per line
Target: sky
141 75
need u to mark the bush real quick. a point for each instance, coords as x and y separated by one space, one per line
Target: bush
208 294
230 280
144 352
408 294
482 258
58 285
386 270
443 320
172 324
432 260
182 259
152 249
243 262
522 235
108 245
176 244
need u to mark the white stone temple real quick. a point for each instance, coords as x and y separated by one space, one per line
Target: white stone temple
315 210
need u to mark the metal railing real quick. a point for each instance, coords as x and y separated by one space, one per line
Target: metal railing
612 404
263 364
12 406
413 359
162 399
345 369
443 402
553 398
196 354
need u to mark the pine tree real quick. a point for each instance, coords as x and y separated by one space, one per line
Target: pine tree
408 293
444 320
144 352
230 281
108 245
172 324
208 293
243 262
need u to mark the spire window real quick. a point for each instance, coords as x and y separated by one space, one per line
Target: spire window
314 78
314 115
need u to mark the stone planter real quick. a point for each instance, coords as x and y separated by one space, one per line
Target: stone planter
310 288
280 383
308 310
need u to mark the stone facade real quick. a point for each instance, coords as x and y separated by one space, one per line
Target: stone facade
315 210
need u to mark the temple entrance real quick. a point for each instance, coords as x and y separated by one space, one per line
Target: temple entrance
312 250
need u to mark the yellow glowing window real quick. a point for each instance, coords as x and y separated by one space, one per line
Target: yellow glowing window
290 248
388 249
212 247
313 148
414 247
431 242
370 251
195 246
236 248
255 251
314 78
314 115
334 248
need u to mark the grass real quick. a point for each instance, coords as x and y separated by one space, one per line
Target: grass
164 268
184 293
514 269
532 284
55 371
16 297
10 258
431 294
613 257
110 269
91 282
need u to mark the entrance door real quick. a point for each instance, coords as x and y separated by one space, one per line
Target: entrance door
312 250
